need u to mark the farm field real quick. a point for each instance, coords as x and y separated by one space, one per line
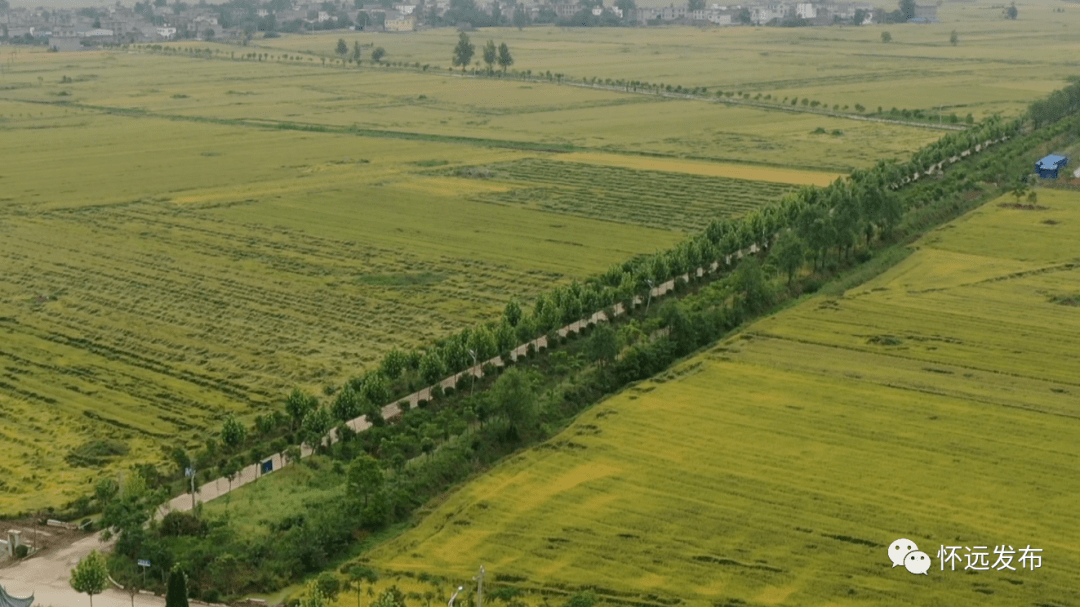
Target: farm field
449 107
936 402
997 66
170 255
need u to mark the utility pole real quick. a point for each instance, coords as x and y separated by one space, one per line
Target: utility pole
480 587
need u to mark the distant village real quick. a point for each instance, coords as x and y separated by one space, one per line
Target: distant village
242 20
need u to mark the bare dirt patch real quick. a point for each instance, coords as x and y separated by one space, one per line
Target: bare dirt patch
47 539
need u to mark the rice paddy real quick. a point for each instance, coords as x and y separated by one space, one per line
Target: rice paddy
936 403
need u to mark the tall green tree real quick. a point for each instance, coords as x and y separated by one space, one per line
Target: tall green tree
364 479
342 47
603 345
953 38
358 574
463 52
491 55
329 585
176 590
391 597
514 395
378 54
512 312
789 254
356 51
316 424
314 596
90 576
233 432
886 37
298 404
1010 13
505 60
346 404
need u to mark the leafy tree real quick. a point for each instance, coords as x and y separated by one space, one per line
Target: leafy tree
128 576
298 405
90 576
176 591
233 432
907 9
391 597
105 490
329 585
1010 13
953 38
626 6
512 312
751 286
603 345
491 54
356 51
316 424
695 5
860 16
1019 189
432 367
505 60
463 52
342 47
365 478
378 54
314 596
514 396
346 404
393 363
376 389
886 37
789 254
358 574
745 17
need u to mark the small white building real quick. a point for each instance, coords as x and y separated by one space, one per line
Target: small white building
167 32
805 10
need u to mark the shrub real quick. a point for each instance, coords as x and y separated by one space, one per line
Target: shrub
21 551
436 392
448 391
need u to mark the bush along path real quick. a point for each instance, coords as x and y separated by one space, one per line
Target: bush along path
871 209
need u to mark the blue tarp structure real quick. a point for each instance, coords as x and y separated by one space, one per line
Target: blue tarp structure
1048 167
6 600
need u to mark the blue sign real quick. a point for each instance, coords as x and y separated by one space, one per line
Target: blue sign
268 466
144 563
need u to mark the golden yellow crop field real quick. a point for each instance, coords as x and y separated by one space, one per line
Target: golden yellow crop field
935 403
997 65
186 238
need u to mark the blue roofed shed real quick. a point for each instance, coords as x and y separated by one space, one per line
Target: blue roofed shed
1048 167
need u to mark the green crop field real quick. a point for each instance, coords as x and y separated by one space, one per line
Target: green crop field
935 403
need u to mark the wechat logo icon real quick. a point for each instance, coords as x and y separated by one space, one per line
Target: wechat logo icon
905 552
